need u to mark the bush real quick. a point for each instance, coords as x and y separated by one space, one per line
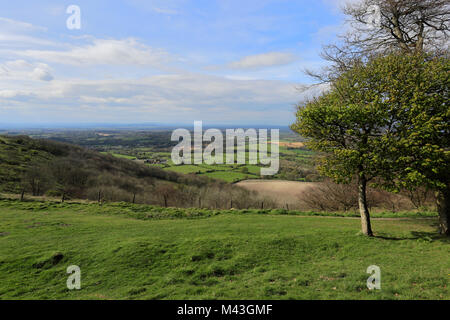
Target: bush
329 196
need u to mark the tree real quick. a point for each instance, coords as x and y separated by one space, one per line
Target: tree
386 26
165 191
386 118
36 179
346 124
70 177
419 152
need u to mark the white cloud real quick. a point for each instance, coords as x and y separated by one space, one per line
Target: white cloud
9 93
102 52
162 97
263 60
21 34
19 40
313 91
185 89
23 70
239 77
83 89
10 24
42 73
337 5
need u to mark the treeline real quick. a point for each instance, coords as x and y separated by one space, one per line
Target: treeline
328 196
105 139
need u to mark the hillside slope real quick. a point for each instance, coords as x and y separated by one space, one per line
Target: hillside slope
19 153
45 167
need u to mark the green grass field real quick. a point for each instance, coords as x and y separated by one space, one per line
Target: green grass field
299 158
140 252
230 176
227 173
293 160
118 155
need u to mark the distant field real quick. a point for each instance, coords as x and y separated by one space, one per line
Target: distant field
228 173
133 252
291 144
230 176
278 190
296 162
187 168
118 155
294 159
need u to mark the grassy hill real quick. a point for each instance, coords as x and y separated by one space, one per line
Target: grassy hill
130 251
16 155
45 167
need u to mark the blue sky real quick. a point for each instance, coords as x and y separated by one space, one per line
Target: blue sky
167 61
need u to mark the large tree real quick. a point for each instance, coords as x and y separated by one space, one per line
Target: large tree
419 143
375 121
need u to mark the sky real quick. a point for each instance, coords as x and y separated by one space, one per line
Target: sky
161 61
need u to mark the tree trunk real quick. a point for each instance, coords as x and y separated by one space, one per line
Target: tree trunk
363 209
165 201
443 207
22 195
134 198
63 197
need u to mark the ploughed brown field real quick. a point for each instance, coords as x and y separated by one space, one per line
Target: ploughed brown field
297 145
284 192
